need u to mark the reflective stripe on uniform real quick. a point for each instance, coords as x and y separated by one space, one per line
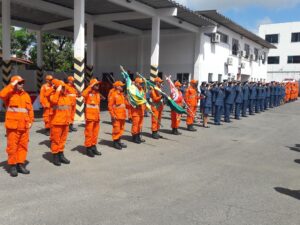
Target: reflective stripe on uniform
61 107
89 106
120 106
15 109
72 95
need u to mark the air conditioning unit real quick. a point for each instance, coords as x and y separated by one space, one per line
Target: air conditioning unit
229 61
215 38
243 65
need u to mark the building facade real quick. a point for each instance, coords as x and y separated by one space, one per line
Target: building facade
284 61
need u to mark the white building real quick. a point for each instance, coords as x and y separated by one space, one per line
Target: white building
283 62
216 53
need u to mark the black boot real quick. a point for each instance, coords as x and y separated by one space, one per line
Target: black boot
63 159
21 168
13 171
47 131
89 152
141 140
122 144
56 160
177 132
155 135
117 145
95 150
173 131
72 128
191 128
135 139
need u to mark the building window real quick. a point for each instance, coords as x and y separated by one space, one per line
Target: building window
183 77
294 59
247 50
235 47
264 56
220 78
273 60
272 38
255 54
210 77
296 37
223 38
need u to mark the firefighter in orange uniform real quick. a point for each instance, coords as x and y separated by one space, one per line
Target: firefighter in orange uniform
138 115
73 94
287 92
157 107
175 117
191 99
45 93
18 120
92 100
60 121
117 110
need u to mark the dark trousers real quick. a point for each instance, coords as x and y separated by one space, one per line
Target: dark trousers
272 101
252 106
257 105
213 109
218 112
238 110
228 108
244 107
262 105
267 102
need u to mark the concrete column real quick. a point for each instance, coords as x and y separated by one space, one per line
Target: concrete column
90 52
155 37
39 61
6 42
79 49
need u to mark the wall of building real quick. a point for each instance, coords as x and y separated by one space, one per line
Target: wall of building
284 49
177 49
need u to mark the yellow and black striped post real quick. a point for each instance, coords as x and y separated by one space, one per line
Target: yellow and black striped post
153 72
39 78
79 83
89 69
6 72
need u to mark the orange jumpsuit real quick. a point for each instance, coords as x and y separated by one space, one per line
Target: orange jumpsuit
18 119
117 110
60 120
73 94
175 117
92 116
137 116
191 99
157 108
287 92
45 93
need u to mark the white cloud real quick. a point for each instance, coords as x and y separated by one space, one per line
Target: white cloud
236 4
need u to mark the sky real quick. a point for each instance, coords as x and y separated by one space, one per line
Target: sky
250 13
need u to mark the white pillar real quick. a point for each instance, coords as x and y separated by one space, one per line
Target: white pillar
79 49
155 47
89 67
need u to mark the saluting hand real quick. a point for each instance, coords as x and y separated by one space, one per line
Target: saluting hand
59 88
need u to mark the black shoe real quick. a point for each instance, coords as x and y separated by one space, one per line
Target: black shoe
63 159
56 160
244 116
141 140
237 118
95 150
135 139
173 131
72 128
21 169
117 145
155 135
191 128
89 152
47 131
13 171
159 135
122 144
177 132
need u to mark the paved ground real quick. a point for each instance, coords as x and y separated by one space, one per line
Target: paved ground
243 173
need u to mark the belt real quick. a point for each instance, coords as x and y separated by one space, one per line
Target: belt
120 106
89 106
15 109
61 107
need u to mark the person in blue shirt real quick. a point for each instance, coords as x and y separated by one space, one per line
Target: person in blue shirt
259 97
229 100
268 95
207 104
277 90
246 93
263 99
219 104
252 98
272 95
238 100
202 100
213 92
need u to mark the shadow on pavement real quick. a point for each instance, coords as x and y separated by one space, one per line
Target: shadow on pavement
296 148
46 142
106 143
4 166
48 156
80 149
286 191
297 161
107 122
